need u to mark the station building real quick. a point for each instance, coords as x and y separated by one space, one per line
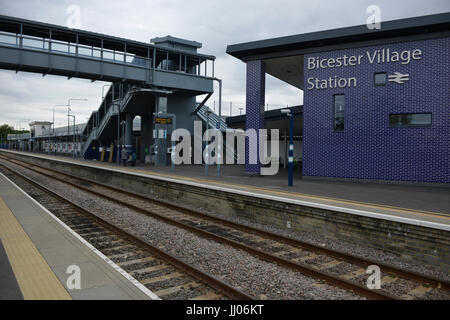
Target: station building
376 102
44 138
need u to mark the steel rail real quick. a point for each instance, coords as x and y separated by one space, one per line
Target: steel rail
214 282
301 267
435 282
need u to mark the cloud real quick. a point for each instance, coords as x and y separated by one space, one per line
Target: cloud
213 23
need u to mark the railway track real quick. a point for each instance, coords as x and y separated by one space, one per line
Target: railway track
161 272
336 268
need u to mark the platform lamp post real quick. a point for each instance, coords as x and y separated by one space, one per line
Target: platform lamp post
122 124
118 132
119 106
290 114
219 156
68 105
68 111
72 115
208 112
23 129
53 124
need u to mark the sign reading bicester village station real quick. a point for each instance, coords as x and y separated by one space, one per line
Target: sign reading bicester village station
378 56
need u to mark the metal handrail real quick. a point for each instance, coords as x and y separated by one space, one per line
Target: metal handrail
74 49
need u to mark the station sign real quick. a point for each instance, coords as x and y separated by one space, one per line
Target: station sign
369 57
163 120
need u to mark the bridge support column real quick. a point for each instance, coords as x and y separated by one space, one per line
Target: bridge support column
128 129
254 117
146 134
161 104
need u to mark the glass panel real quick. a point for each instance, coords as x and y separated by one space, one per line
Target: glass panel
83 51
410 120
339 108
129 59
73 49
108 55
97 53
59 47
380 79
192 65
33 43
10 39
118 56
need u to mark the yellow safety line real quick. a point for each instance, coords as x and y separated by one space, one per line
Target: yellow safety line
34 276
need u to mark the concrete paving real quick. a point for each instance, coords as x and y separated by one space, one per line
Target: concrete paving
59 249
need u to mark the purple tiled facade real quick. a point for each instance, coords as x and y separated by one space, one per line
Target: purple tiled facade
369 148
256 85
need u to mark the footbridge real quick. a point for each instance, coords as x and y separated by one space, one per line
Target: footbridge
38 47
164 75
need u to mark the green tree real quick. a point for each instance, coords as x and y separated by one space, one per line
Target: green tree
6 129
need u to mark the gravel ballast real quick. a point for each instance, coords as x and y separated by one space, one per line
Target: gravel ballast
256 277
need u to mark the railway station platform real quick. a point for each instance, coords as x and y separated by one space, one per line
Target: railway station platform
415 202
36 251
410 221
427 203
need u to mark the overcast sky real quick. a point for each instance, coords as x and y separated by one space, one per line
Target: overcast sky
214 23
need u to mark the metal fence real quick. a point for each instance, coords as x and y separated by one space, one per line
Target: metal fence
232 108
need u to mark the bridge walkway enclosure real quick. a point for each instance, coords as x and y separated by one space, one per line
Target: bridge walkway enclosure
141 73
32 46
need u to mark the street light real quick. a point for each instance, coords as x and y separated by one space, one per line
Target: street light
53 124
68 105
68 110
219 155
20 127
208 112
122 125
290 114
72 115
20 123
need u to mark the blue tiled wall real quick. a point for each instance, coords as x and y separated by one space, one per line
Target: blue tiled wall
369 148
255 95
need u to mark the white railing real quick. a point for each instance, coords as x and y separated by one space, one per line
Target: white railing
73 49
108 55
